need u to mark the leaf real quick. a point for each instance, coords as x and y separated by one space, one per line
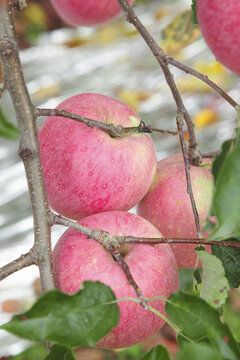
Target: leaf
179 33
198 352
7 129
226 197
36 352
194 12
59 352
215 286
199 322
230 258
72 320
157 353
218 161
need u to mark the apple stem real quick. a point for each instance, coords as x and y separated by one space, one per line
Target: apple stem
111 129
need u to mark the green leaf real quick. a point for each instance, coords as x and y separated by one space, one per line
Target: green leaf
230 258
36 352
226 197
198 352
72 320
7 129
194 12
59 352
215 286
157 353
199 322
218 161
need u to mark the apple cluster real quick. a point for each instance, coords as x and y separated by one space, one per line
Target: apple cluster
94 177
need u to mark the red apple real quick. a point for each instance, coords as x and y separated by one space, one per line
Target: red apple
76 259
86 170
167 204
87 12
220 26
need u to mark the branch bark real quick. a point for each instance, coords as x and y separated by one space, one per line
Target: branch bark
28 149
187 69
111 129
16 265
194 154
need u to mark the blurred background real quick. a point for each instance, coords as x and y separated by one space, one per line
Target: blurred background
60 61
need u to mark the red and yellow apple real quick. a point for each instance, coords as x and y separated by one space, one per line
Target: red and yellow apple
220 26
77 258
86 170
87 12
167 204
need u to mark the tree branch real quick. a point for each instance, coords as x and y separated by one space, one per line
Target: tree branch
194 155
187 69
16 265
28 149
187 172
111 129
112 243
117 256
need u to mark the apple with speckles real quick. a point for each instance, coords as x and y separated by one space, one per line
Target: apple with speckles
77 258
86 170
167 204
220 26
87 12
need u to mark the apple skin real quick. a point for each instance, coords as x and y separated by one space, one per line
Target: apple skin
86 170
220 26
87 12
167 204
154 268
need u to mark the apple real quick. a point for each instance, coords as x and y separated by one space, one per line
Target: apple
86 170
220 26
167 204
77 258
87 12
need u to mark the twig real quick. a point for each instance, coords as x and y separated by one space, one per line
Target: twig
187 172
117 256
202 241
210 154
28 149
194 155
113 130
104 238
16 265
187 69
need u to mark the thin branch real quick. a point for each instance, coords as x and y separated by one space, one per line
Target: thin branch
117 256
187 69
113 243
28 149
111 129
16 265
211 154
202 241
187 172
194 155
